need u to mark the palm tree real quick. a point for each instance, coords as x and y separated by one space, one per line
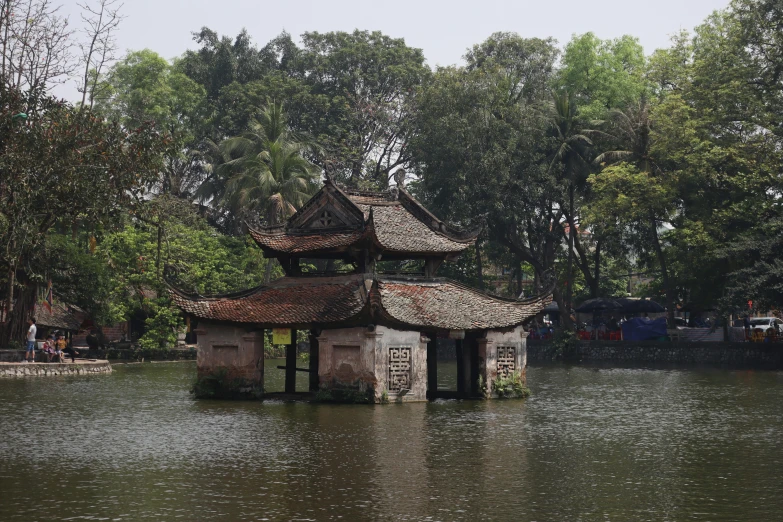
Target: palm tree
572 145
630 130
571 156
268 176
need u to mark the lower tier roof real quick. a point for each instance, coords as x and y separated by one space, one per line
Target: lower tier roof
302 302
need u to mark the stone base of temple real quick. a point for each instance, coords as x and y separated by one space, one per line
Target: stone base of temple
230 362
385 363
502 361
372 363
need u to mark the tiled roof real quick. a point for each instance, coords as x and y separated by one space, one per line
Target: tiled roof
397 230
285 302
302 243
61 317
431 304
399 223
445 304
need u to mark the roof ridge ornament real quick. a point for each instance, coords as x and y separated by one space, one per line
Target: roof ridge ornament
399 177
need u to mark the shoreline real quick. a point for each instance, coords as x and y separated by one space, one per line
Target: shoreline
41 369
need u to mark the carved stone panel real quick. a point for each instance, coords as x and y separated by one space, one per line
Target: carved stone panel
399 369
507 357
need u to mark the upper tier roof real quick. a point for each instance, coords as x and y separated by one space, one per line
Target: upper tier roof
433 304
337 220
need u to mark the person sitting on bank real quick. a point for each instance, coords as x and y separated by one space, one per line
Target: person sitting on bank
29 355
70 351
48 348
60 345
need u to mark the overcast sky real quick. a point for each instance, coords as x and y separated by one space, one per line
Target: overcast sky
442 28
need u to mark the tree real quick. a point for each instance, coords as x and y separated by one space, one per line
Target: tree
63 165
197 259
756 30
523 65
222 61
570 163
144 87
603 74
268 173
648 188
484 156
370 80
35 45
759 278
99 45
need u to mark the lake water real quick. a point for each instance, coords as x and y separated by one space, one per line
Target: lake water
590 444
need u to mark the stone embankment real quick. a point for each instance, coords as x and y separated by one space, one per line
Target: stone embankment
47 369
718 354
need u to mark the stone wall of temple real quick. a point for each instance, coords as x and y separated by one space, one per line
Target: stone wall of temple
232 348
380 359
502 353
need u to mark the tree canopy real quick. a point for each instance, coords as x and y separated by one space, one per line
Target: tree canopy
591 160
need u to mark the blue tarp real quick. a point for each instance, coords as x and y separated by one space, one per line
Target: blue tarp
643 329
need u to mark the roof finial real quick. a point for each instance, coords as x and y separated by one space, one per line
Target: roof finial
399 178
328 170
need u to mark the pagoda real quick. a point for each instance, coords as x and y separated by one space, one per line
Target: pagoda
370 332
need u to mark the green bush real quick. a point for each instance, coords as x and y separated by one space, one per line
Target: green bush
162 325
510 387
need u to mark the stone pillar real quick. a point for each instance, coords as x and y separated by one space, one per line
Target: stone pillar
347 358
513 343
234 352
432 367
254 346
360 358
313 366
290 364
463 367
473 359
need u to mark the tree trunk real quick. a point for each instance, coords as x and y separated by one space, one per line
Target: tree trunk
580 255
519 278
15 325
268 274
595 287
9 303
479 267
570 281
670 297
157 259
565 312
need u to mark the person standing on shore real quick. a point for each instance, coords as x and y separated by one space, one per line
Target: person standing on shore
29 355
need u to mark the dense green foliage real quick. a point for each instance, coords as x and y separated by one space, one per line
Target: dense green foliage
588 161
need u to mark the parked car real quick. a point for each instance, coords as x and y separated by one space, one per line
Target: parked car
765 323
